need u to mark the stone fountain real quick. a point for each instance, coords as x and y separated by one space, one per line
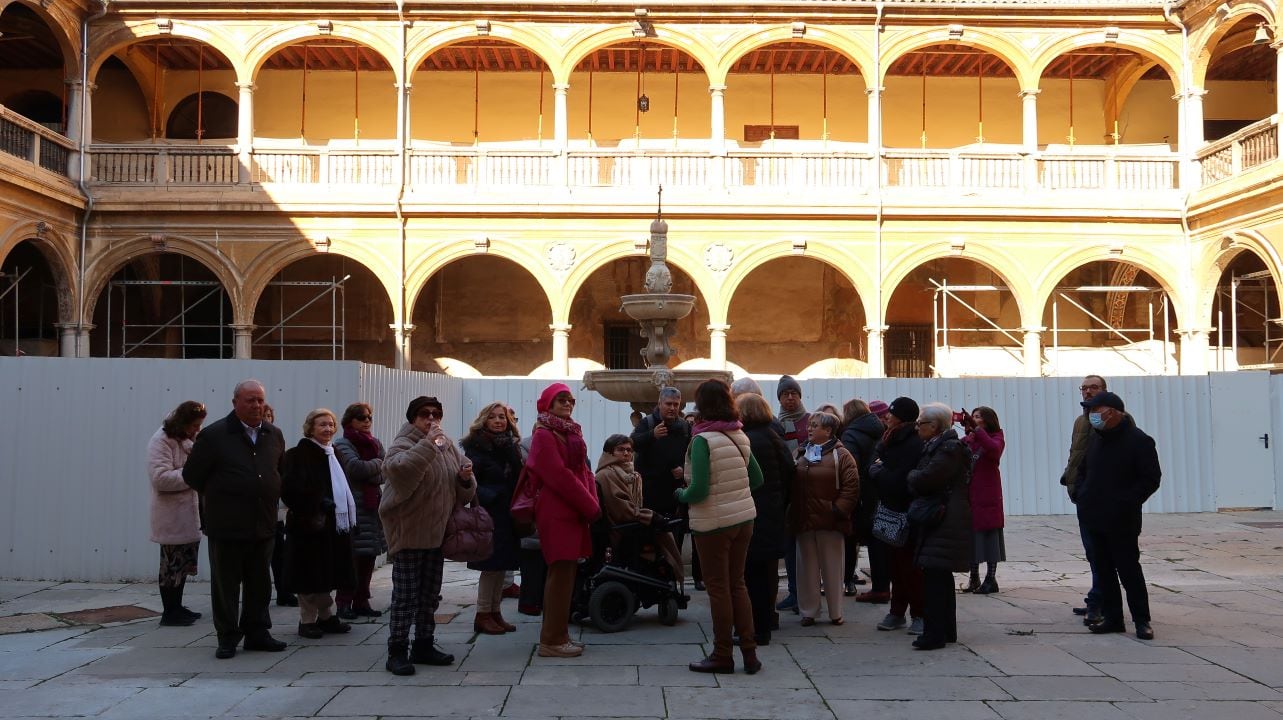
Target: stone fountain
657 311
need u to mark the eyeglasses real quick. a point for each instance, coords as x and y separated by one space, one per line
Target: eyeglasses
624 450
363 418
1085 388
430 414
566 400
920 423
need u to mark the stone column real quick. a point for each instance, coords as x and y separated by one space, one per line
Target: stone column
87 121
75 97
560 115
876 362
1194 349
1278 97
1033 351
1029 100
561 348
245 130
1190 109
875 119
242 341
66 339
401 337
717 119
82 340
717 345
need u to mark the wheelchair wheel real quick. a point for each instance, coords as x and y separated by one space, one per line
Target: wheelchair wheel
668 611
611 606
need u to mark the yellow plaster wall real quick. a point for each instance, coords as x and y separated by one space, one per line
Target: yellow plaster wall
331 105
1149 115
119 108
952 111
13 82
799 100
614 103
443 105
1239 100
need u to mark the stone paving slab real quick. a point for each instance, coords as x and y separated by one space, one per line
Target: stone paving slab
348 678
46 701
588 700
177 702
1205 690
1168 671
50 663
748 704
859 687
1058 710
924 710
417 701
1032 660
1198 710
1067 688
1262 665
280 701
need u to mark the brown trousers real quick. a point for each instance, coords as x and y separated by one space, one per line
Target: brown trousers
558 588
722 555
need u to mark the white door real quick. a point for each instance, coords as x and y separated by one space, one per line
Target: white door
1241 423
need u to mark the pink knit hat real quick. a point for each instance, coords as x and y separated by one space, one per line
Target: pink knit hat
879 408
550 392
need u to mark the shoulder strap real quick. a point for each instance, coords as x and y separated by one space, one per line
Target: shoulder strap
742 453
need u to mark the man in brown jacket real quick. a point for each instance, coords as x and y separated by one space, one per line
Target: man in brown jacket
1092 386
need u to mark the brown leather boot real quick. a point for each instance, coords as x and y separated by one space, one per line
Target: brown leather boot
485 624
751 663
498 619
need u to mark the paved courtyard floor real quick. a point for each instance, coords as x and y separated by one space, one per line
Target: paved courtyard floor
1216 587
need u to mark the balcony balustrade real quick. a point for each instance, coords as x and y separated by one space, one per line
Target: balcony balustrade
35 143
1253 146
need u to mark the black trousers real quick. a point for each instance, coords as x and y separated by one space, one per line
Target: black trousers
278 560
240 585
762 577
879 566
939 606
1116 558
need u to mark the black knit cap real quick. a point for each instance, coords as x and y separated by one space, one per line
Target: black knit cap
418 404
905 409
787 383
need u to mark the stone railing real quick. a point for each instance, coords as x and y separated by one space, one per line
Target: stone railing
808 171
1254 145
34 142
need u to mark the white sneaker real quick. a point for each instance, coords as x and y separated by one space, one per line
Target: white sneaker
891 622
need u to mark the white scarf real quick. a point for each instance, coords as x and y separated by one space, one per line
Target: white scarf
344 505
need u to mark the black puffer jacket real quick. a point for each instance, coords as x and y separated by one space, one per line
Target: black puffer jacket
894 456
945 467
367 536
656 458
860 438
496 463
772 496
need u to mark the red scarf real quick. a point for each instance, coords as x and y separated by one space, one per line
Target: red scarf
367 447
575 445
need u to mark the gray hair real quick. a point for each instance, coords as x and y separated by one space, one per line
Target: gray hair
827 420
938 414
251 382
669 392
744 386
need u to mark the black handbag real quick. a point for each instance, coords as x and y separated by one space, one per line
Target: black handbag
928 512
890 526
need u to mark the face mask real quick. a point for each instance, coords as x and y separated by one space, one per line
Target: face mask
1096 421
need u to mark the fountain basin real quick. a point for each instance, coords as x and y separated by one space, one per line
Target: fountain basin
657 306
640 388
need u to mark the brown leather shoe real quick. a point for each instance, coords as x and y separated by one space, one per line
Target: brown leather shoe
484 623
566 650
751 663
873 597
498 619
713 665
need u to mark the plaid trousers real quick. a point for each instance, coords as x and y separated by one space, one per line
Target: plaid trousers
416 593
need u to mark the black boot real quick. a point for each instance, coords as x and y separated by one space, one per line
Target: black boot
398 663
183 609
974 584
990 585
423 652
172 615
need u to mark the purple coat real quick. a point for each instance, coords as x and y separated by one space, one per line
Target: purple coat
986 479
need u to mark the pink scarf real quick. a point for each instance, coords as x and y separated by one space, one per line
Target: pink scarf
575 445
716 426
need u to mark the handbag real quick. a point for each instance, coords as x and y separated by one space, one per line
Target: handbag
524 496
891 526
927 512
469 534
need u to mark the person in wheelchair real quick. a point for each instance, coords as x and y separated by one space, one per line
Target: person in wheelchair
620 489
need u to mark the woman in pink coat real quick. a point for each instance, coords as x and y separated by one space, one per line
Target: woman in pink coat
175 508
566 506
984 438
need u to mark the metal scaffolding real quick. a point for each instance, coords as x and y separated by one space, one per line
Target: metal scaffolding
179 320
1272 343
13 279
334 289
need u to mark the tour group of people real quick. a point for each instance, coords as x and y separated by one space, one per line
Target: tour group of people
918 485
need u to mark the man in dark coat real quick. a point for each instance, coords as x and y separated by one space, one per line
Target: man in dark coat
791 424
235 466
660 441
1091 386
1117 476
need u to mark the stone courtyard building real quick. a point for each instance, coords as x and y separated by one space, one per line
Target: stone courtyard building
903 188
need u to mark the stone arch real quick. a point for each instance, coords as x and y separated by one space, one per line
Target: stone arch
1208 272
56 248
1204 42
1139 255
601 256
826 37
756 257
586 43
1001 264
461 319
1161 53
64 21
995 43
524 36
211 34
282 255
419 270
104 267
263 45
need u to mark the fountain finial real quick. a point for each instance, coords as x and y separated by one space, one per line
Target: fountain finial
658 278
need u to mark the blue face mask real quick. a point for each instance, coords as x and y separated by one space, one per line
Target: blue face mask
1096 421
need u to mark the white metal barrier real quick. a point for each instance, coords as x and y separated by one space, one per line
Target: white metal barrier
74 494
